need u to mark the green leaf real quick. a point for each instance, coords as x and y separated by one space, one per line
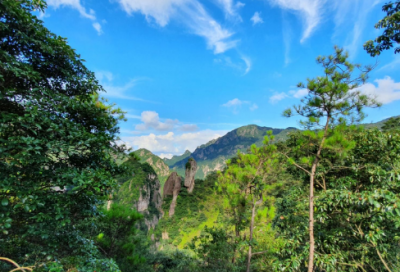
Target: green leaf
4 202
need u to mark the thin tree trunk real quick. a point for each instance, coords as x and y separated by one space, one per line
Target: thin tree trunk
311 199
311 219
253 211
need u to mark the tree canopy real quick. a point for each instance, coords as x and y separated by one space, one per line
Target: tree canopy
57 140
391 34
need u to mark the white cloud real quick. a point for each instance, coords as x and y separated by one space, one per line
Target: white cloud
256 19
151 120
277 97
168 156
76 4
97 26
310 11
191 13
299 93
386 92
236 103
171 143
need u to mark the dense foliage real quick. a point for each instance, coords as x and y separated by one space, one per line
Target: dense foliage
56 141
69 197
357 210
391 34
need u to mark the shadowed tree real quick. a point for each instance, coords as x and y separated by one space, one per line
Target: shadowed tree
57 141
391 34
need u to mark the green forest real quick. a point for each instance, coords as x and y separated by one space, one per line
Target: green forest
324 197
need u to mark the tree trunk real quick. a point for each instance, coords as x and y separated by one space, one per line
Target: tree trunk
311 199
311 219
253 211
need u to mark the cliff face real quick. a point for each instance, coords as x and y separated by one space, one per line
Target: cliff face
172 187
159 166
140 190
190 172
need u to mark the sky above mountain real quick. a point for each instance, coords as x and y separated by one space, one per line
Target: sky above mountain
188 71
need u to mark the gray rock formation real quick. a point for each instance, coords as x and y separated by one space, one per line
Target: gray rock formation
150 195
172 187
190 172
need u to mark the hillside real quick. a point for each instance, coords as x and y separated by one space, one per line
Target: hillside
212 156
159 166
176 158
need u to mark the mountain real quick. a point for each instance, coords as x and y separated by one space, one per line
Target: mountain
140 190
176 158
212 155
159 166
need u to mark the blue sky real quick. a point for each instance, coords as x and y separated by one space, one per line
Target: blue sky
188 71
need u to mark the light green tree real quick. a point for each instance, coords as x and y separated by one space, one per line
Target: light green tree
333 99
245 183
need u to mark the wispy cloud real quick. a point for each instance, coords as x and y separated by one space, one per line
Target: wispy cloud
256 19
310 11
277 97
191 13
287 38
350 19
244 66
106 79
97 26
76 4
235 104
391 65
230 8
247 61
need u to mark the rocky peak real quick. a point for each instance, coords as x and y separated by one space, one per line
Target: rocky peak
172 187
190 172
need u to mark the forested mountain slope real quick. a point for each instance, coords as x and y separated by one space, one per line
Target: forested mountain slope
159 166
212 156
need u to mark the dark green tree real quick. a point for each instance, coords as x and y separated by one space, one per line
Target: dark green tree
57 140
391 35
333 99
357 210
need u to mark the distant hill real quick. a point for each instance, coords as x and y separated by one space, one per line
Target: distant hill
379 124
176 158
212 156
159 166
